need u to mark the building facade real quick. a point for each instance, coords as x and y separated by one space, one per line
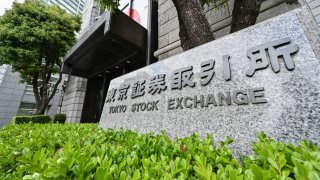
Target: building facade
168 41
17 98
71 6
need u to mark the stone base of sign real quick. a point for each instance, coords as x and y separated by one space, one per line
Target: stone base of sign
286 104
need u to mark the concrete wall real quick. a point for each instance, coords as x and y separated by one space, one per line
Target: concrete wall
314 6
13 93
219 20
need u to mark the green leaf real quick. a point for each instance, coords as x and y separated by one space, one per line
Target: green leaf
257 171
273 163
123 175
136 175
122 165
100 174
204 171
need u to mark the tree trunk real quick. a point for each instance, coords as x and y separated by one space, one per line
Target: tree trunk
244 14
45 97
41 110
36 90
35 85
194 27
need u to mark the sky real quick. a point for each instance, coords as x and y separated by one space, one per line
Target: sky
6 4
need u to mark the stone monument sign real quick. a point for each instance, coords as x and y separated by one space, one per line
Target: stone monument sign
263 78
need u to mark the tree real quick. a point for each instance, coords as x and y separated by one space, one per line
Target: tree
33 39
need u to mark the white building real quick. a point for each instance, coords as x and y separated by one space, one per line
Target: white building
71 6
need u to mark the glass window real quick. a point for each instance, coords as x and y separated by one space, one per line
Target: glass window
26 109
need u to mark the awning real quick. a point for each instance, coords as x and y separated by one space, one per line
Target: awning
112 40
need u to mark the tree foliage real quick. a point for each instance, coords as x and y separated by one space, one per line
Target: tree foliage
33 39
109 4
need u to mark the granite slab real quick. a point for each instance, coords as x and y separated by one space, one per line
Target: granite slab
263 78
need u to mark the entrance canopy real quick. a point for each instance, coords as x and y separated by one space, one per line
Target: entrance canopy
110 42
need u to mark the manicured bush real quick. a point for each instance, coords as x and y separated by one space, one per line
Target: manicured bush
60 118
41 119
84 151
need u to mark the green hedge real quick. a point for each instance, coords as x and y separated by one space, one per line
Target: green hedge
84 151
42 119
60 118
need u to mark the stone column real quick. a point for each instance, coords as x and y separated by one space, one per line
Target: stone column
73 99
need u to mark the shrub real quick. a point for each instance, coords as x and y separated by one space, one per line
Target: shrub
60 118
84 151
41 119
